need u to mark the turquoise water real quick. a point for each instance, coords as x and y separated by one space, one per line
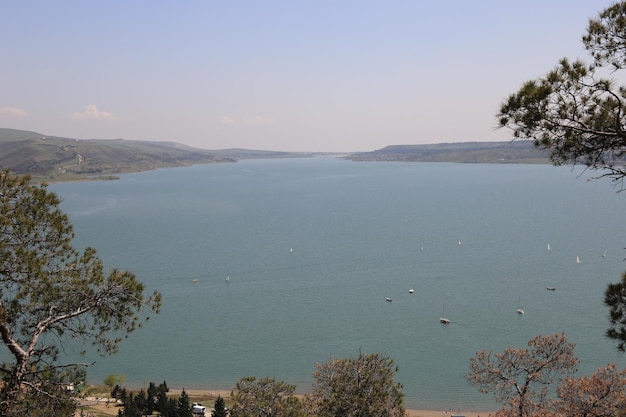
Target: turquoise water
313 247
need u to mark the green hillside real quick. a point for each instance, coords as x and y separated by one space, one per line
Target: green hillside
52 158
463 152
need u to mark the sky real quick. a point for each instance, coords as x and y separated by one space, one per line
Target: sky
318 76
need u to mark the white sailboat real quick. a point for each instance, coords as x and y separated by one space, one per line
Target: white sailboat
549 248
443 319
519 308
578 261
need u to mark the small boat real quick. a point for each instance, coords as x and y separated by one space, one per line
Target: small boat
227 278
578 261
460 243
442 319
389 299
290 250
551 288
520 310
604 254
194 280
411 291
549 248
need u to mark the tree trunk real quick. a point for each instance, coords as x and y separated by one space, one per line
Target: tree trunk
11 390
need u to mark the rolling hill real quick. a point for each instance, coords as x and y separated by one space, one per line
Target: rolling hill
520 152
53 158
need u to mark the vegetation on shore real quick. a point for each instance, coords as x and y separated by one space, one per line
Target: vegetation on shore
521 152
52 158
533 381
53 296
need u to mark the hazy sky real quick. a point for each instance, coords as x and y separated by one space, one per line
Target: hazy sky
278 75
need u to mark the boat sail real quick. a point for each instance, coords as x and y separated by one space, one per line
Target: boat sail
443 319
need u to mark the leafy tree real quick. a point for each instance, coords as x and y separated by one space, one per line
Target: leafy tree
599 395
110 380
575 111
219 409
266 397
363 386
51 295
514 375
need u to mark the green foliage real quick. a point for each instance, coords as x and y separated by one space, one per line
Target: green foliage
464 152
266 397
615 299
51 397
219 409
575 111
110 380
51 294
578 114
184 407
153 400
119 393
161 397
58 158
605 36
363 386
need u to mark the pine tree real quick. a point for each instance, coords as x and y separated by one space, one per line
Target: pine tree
219 408
184 406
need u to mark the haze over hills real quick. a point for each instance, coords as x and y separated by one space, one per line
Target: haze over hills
53 158
519 152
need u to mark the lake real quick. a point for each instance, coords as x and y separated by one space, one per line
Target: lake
270 266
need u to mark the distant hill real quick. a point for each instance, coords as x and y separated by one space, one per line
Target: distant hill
53 158
518 152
